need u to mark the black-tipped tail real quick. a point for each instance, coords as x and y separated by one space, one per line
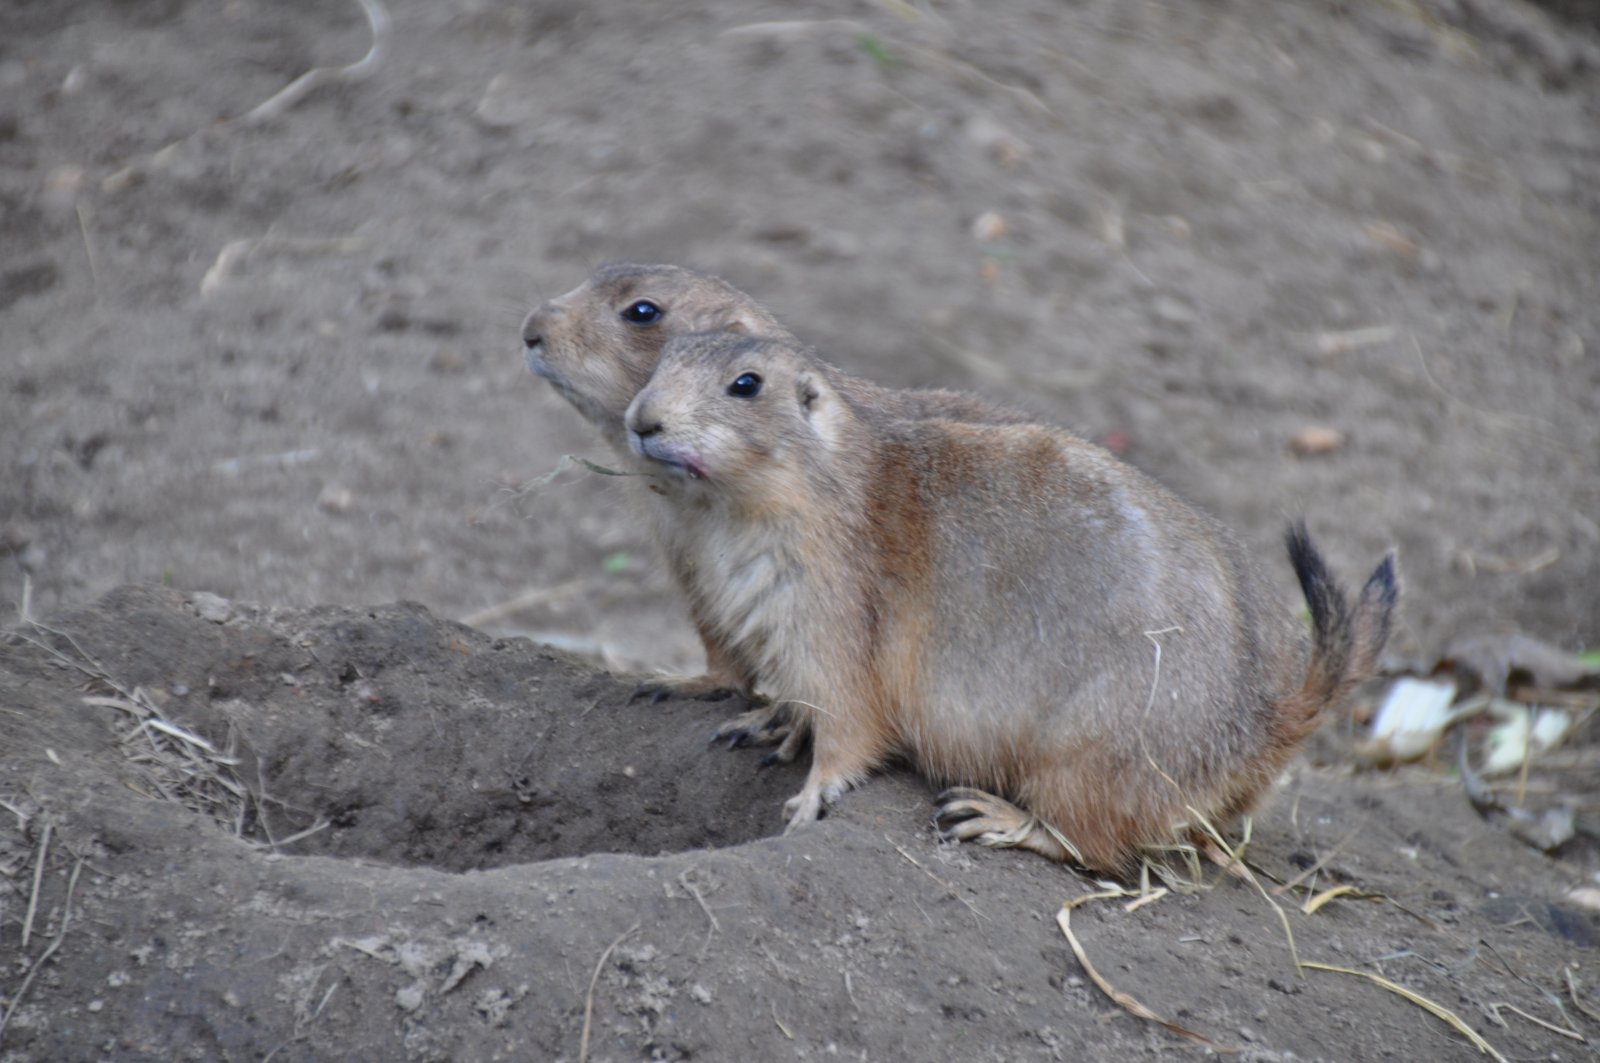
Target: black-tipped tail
1345 642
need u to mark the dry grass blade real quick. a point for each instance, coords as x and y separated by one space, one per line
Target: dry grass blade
588 1001
1148 898
176 763
1313 903
1249 876
1123 1000
950 890
1236 866
1436 1010
1572 988
44 957
1496 1009
976 77
1316 866
532 486
792 27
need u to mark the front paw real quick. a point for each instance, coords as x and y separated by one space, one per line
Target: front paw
803 808
807 806
696 687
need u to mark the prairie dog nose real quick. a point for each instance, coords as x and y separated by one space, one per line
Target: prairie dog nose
537 323
642 419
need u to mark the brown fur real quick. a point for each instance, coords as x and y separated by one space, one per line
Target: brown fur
599 361
1010 607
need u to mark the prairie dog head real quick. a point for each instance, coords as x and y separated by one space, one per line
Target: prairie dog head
598 344
758 420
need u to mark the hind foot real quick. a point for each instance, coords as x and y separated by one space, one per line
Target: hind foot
967 815
765 725
793 743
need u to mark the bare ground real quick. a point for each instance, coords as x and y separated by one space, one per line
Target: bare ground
278 361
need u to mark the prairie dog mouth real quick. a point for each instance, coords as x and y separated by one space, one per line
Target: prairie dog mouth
682 459
536 364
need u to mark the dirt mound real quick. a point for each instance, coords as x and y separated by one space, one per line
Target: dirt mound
486 827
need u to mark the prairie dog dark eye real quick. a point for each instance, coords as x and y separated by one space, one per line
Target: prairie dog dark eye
745 386
643 312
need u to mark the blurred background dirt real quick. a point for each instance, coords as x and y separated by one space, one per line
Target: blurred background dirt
280 360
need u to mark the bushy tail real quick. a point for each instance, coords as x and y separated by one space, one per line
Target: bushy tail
1345 642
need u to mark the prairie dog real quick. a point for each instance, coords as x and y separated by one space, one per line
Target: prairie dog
598 345
1008 606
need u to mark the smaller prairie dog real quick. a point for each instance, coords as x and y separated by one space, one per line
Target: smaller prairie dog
1093 662
598 345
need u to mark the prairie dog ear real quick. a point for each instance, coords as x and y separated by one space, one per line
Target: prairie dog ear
742 322
819 405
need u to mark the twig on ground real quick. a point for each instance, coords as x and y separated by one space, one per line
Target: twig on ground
526 600
1123 1000
305 84
38 879
44 957
235 253
377 21
1572 988
694 891
588 1001
88 247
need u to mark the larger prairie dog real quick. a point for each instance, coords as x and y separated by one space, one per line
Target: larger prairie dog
598 345
1008 606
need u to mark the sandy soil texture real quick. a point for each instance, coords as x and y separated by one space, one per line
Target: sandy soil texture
1336 261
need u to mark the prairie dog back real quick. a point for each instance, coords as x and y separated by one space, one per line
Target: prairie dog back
1009 606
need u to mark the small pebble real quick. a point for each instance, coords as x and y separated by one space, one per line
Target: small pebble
212 607
335 499
1173 311
409 998
988 227
1316 439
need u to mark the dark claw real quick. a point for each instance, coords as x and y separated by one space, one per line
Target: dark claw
769 760
946 820
654 691
735 739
